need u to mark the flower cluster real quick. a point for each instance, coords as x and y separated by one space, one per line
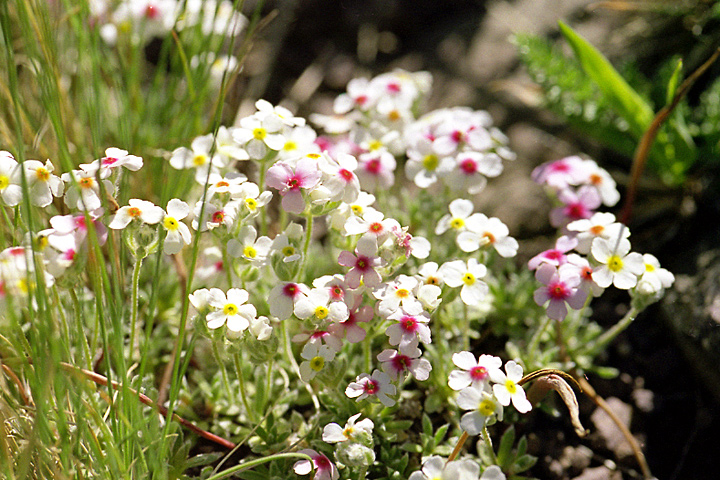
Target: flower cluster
602 253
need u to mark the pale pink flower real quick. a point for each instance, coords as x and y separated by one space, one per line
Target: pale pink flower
290 182
324 468
408 330
561 289
554 256
362 264
376 386
398 365
472 371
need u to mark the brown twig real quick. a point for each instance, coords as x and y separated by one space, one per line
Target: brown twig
646 142
21 388
101 380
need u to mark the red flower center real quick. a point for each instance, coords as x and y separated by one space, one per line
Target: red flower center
558 291
408 323
371 387
478 373
290 290
346 174
373 166
468 166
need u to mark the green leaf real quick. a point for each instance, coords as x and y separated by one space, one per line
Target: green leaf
523 463
504 454
628 103
441 432
673 82
427 425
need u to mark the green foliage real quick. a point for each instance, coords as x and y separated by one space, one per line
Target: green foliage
596 100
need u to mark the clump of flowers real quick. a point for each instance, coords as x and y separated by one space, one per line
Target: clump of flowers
352 290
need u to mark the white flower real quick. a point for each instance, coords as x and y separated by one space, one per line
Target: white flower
334 433
619 267
460 212
317 303
141 210
251 199
488 231
506 388
482 405
178 234
231 309
249 246
42 184
114 158
315 356
198 157
601 224
457 273
655 278
435 468
84 192
398 293
10 189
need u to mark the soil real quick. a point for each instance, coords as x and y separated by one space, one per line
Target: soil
668 388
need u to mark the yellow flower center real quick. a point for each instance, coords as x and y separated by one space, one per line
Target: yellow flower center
249 251
511 386
468 278
86 182
290 146
259 133
170 224
615 263
41 242
42 174
486 407
432 281
317 363
199 160
649 268
4 182
314 156
348 432
289 250
402 293
251 203
374 145
430 162
393 115
457 223
321 312
230 309
356 209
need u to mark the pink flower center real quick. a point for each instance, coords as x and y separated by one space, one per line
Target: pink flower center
361 99
393 87
16 251
107 161
294 183
559 167
373 166
319 334
457 136
290 290
362 263
577 211
478 373
553 254
69 255
321 462
371 387
468 166
401 362
558 291
218 217
151 12
346 174
80 223
219 265
408 323
337 293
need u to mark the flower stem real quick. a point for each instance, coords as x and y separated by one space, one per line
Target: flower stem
296 367
535 340
488 443
223 370
604 340
227 266
306 245
456 451
243 393
134 304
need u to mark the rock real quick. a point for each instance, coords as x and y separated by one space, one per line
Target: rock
608 430
599 473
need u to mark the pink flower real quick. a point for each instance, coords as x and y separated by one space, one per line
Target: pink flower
397 364
560 289
408 330
377 386
350 329
376 170
289 182
324 468
555 256
362 264
562 173
576 206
